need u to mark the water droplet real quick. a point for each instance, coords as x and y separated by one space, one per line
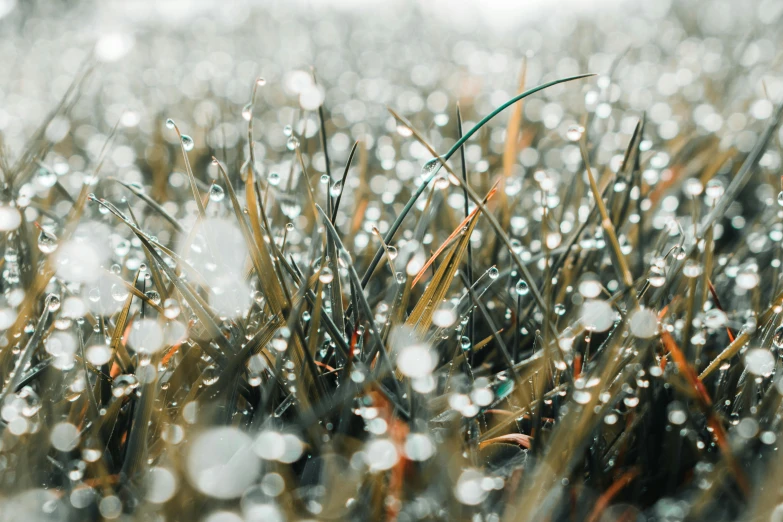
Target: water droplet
261 82
493 273
780 198
210 375
336 189
247 112
64 436
392 252
124 385
54 302
759 361
777 339
47 242
98 354
574 132
119 292
715 189
153 296
582 396
469 490
404 131
324 178
171 308
10 218
288 130
692 268
280 340
326 276
464 343
444 316
292 143
748 277
221 463
274 178
45 177
431 167
597 316
643 323
216 193
416 360
521 288
169 123
677 414
560 309
187 143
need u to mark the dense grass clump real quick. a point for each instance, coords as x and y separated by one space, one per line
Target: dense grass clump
562 305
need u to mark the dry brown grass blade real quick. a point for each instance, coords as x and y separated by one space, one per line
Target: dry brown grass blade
421 316
451 237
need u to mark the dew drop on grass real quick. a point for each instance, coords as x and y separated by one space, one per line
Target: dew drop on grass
64 436
381 454
493 273
443 316
521 288
416 360
582 396
419 447
171 308
288 130
46 177
560 309
54 302
98 354
47 242
677 414
464 343
292 143
210 376
169 123
221 464
161 484
10 218
748 277
597 316
404 131
269 445
392 252
780 198
691 268
777 338
326 276
574 132
153 296
119 292
469 490
274 178
124 385
187 143
643 323
760 361
431 166
261 82
216 193
280 340
336 189
590 286
247 112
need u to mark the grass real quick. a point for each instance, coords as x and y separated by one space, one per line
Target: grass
589 365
